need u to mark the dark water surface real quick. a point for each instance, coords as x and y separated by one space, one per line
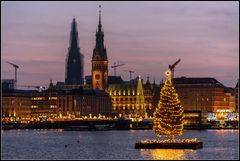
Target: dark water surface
50 144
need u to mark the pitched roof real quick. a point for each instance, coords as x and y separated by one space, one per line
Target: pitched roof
122 87
115 80
194 81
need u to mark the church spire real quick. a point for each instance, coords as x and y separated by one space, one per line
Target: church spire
99 24
148 79
74 35
74 61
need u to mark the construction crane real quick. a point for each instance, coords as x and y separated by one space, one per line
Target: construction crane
171 67
130 72
115 66
15 67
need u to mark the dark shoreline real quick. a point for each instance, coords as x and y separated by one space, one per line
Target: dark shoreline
110 124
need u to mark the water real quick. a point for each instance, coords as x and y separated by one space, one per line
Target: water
50 144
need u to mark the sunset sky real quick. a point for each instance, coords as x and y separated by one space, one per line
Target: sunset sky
146 36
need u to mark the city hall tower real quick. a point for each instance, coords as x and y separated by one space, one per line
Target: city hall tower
99 60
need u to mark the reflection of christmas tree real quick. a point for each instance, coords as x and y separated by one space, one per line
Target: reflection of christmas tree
168 117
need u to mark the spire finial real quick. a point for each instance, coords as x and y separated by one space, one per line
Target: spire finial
99 14
100 25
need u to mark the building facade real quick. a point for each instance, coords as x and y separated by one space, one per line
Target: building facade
8 84
16 105
236 97
149 96
129 100
44 105
204 94
74 103
74 60
99 61
84 102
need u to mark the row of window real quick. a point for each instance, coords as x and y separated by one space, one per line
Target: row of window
119 92
126 99
127 108
100 66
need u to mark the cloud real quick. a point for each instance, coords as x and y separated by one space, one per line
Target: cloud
146 36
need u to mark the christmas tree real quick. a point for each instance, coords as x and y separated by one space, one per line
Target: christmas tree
168 117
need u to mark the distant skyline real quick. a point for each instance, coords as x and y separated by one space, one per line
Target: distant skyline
146 36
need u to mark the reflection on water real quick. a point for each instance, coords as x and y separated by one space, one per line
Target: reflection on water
226 131
217 144
167 154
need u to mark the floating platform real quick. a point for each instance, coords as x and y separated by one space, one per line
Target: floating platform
169 145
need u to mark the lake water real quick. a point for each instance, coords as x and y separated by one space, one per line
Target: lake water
50 144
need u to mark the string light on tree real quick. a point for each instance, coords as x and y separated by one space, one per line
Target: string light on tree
168 117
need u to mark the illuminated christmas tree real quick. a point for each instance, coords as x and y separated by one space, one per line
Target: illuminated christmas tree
140 110
168 117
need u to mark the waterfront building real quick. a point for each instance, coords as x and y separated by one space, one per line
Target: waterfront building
149 92
8 84
56 102
44 104
16 105
129 100
204 94
74 60
99 60
123 99
236 97
84 102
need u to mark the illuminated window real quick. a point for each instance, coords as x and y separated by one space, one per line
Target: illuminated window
37 98
52 98
97 76
53 106
124 93
128 92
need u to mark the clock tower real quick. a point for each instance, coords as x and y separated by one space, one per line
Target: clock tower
99 60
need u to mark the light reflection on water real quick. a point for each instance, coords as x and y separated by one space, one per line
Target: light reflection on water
50 144
167 154
226 131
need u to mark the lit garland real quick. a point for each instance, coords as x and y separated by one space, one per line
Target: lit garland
168 117
195 140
